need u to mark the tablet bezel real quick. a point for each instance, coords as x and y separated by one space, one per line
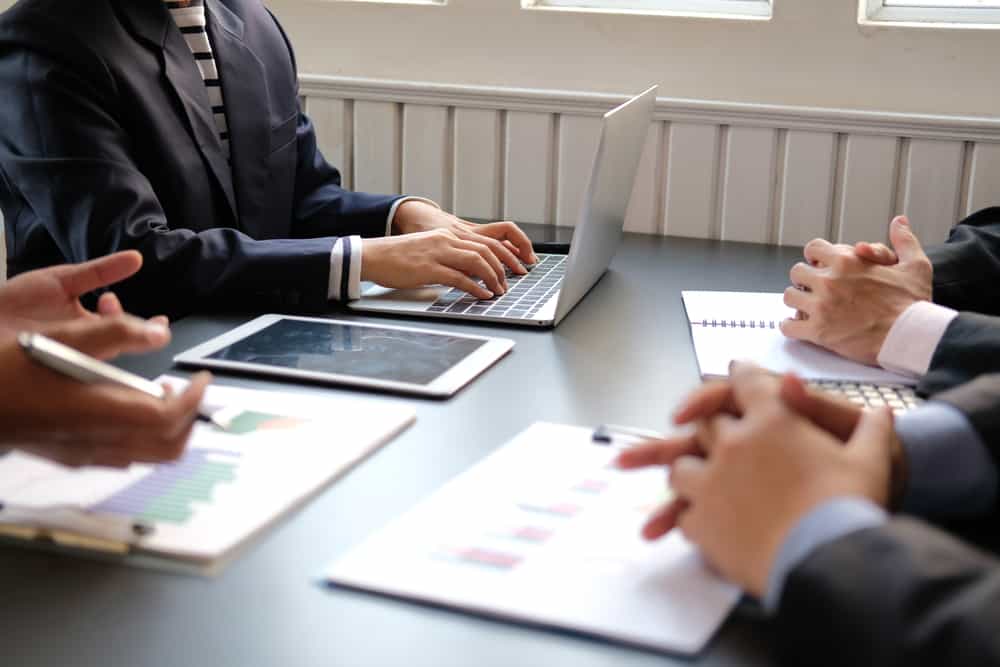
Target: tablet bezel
444 385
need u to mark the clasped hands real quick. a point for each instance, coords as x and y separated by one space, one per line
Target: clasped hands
763 450
848 297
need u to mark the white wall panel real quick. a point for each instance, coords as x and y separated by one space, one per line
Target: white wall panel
744 175
528 167
807 191
426 155
692 171
932 187
869 183
331 118
578 137
644 210
377 147
748 186
984 181
477 178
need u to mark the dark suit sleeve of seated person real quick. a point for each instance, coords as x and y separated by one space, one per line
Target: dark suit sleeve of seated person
904 592
967 266
969 348
109 143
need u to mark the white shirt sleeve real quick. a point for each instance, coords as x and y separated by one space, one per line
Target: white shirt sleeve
345 269
909 346
346 257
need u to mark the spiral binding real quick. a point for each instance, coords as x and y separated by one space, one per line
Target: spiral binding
740 324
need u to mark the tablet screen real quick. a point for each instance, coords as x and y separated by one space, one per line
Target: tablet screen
369 352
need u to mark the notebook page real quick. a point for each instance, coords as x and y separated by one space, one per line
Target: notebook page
744 326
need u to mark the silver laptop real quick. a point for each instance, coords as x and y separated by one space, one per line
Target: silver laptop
549 291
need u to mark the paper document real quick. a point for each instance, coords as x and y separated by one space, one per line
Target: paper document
544 531
744 326
278 451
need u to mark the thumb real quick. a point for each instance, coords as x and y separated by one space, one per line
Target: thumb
108 337
904 241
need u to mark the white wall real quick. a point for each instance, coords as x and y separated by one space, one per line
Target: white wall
811 53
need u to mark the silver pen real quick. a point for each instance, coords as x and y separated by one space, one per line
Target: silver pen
79 366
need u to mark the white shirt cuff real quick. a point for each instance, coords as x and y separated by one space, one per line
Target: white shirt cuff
345 269
910 344
402 200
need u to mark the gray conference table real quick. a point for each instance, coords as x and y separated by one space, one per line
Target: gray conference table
623 356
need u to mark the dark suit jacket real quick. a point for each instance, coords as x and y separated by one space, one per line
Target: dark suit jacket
967 278
107 142
904 593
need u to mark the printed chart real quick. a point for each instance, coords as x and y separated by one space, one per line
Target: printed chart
546 531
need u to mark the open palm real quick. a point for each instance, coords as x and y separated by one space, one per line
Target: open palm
34 299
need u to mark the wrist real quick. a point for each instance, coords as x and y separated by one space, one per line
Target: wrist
409 216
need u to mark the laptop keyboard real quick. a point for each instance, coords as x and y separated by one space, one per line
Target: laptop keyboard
525 296
897 396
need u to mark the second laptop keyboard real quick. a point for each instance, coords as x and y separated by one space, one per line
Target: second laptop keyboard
525 296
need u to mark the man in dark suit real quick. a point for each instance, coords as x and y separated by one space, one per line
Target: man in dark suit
928 314
174 128
786 493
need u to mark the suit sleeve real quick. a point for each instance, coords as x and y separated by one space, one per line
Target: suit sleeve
67 152
967 266
320 201
903 593
970 347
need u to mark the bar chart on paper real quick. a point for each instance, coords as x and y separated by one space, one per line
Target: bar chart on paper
228 485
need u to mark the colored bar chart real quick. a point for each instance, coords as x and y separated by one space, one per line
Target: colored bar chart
169 492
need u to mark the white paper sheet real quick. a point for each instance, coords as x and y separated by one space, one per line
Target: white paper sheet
544 531
227 486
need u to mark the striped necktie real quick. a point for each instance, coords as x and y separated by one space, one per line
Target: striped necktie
189 15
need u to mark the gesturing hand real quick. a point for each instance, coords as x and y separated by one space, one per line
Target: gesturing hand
848 298
33 299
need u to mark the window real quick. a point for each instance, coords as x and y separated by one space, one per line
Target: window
956 13
743 9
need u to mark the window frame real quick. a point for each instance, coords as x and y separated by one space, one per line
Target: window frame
877 13
745 10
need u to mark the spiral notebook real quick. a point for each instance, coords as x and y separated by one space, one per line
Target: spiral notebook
727 326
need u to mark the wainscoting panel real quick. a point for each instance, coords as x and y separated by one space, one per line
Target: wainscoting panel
765 174
867 198
748 185
427 154
693 159
808 171
334 134
984 177
933 187
378 146
478 168
528 167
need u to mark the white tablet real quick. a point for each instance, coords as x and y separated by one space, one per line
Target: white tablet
403 359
